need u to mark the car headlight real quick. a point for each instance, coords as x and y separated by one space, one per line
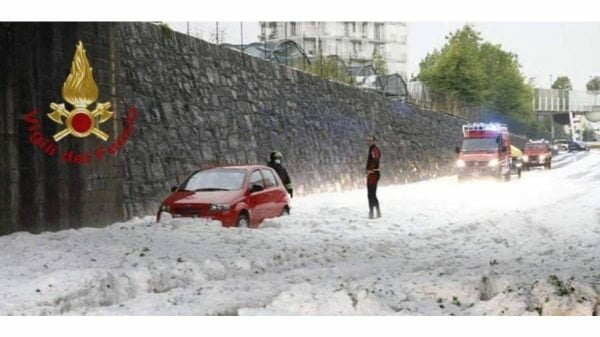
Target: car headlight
493 162
219 207
164 208
542 157
460 163
525 158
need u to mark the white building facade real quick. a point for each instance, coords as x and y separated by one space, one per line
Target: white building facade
353 41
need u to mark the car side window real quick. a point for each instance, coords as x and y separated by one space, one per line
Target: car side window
256 179
269 178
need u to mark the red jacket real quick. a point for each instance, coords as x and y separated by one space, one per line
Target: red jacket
373 164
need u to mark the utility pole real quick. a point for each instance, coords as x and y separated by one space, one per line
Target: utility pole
217 32
321 60
286 44
264 29
189 38
242 39
304 48
336 60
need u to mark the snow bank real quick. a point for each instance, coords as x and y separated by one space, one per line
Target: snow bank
527 247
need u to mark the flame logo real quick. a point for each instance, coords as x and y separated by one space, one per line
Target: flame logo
80 90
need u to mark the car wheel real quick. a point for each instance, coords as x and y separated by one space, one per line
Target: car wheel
285 211
519 173
244 220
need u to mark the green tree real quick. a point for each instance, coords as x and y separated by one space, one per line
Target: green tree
479 73
379 63
593 84
562 82
505 89
456 69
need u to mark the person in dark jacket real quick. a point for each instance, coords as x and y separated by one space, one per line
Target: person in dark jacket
373 176
275 163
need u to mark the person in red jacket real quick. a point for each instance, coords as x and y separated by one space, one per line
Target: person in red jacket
373 175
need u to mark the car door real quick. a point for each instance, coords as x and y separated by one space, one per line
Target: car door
258 200
273 203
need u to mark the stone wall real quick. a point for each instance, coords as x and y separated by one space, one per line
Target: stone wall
198 104
203 104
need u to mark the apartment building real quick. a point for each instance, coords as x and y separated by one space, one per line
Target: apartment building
353 41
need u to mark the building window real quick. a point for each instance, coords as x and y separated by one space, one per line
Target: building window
309 46
273 34
403 39
356 47
323 28
379 49
378 31
338 47
353 27
346 28
293 29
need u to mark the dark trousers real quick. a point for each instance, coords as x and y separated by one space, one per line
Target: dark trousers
372 192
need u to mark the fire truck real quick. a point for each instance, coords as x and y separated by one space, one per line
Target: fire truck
485 151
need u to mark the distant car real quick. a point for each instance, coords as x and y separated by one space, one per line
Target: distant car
241 196
578 146
537 153
561 145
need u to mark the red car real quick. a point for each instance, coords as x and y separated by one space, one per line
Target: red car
241 196
537 153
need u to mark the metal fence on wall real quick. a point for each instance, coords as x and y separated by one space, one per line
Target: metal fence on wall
421 96
292 54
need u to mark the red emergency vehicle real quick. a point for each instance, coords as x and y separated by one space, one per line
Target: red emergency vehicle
485 151
537 153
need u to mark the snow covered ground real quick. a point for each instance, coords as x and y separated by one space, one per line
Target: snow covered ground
527 247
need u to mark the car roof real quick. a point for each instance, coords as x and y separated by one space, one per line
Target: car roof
239 167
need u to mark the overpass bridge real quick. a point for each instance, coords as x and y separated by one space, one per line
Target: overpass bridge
563 105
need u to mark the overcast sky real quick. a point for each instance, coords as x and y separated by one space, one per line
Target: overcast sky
545 50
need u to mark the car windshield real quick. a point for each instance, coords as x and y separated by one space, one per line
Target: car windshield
215 180
535 147
479 144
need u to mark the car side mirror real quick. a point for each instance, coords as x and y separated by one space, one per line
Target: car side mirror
173 188
256 188
457 150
